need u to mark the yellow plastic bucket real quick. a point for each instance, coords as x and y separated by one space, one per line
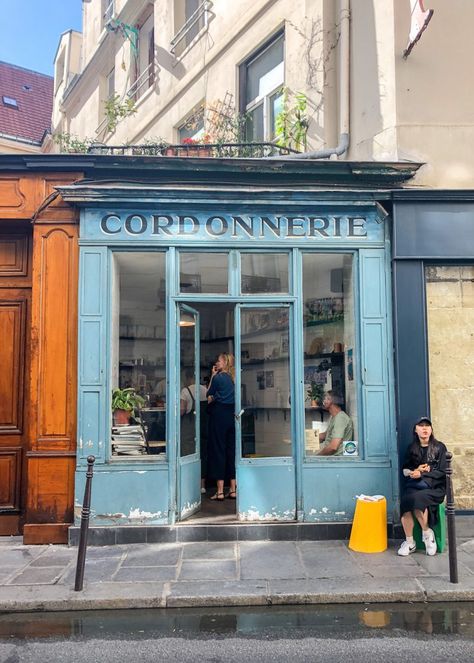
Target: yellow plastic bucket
369 527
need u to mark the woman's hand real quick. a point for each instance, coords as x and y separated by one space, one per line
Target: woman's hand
416 474
423 468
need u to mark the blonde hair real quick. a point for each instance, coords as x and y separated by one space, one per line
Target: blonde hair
228 364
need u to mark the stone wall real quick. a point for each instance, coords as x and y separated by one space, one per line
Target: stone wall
450 311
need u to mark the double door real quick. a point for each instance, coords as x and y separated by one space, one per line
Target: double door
15 299
264 419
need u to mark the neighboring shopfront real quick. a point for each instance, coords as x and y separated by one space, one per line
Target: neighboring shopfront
38 351
296 284
433 249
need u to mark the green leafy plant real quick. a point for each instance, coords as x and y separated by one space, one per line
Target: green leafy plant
126 399
117 109
291 123
315 392
70 143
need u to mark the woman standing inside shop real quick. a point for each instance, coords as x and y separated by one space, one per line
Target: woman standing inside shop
425 486
221 442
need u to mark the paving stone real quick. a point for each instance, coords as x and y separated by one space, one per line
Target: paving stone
260 559
55 558
207 551
215 570
96 570
145 574
37 576
5 574
104 552
153 555
17 558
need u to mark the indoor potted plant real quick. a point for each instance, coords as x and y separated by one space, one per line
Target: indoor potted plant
124 403
315 393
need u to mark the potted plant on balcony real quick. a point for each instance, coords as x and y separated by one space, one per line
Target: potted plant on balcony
124 403
315 393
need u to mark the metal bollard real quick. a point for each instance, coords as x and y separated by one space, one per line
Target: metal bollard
85 513
453 559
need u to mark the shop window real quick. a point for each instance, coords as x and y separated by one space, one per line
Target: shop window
264 273
144 75
450 316
139 353
191 19
204 272
329 354
265 382
262 79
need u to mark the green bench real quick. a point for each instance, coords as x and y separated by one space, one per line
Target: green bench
439 531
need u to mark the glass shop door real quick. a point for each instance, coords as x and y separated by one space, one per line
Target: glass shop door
189 462
266 481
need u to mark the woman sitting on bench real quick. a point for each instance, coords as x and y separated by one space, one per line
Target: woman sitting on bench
424 470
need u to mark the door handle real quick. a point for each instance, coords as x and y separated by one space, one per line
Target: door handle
237 416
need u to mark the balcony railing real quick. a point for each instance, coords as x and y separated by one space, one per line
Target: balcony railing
144 81
211 150
196 22
109 12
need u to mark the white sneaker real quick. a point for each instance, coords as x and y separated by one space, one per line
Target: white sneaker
430 542
405 549
203 490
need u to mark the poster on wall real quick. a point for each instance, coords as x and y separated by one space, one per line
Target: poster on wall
350 364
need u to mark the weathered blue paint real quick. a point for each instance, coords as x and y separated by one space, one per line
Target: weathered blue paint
311 489
126 494
267 491
330 487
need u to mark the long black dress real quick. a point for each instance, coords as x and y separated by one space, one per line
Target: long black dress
425 498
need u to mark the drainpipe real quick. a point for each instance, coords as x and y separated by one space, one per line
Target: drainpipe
344 90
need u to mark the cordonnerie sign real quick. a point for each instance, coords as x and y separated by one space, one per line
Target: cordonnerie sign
168 228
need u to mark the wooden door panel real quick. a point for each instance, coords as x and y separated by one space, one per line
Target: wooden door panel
12 359
13 255
10 471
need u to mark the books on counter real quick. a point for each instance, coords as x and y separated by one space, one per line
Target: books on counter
128 440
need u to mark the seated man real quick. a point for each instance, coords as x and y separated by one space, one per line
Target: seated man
340 428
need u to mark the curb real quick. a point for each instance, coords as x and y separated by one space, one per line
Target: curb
91 599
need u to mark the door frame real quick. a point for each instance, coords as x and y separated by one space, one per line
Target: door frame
186 465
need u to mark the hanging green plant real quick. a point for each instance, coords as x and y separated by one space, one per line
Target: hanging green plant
116 110
291 123
70 143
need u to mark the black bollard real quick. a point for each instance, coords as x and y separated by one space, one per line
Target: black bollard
85 513
453 559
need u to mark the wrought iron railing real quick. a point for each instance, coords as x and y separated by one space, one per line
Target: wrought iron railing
195 23
144 81
109 11
211 150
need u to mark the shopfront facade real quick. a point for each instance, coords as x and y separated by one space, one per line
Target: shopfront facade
296 285
433 272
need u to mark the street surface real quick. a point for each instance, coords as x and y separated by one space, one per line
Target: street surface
403 632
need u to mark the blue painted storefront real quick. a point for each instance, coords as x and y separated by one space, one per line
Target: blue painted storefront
152 491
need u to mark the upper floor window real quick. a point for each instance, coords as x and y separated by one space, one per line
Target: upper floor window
144 57
9 101
110 83
193 127
191 17
262 79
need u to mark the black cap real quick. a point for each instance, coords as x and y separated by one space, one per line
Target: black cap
422 419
